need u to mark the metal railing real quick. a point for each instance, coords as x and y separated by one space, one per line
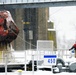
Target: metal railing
19 56
28 1
26 56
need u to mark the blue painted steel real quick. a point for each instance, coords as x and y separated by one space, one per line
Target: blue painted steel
50 56
73 51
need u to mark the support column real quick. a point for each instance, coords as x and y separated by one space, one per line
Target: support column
42 23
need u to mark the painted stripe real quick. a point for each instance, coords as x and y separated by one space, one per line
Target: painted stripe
50 56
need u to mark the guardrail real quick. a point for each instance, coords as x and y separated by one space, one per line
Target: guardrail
24 57
19 56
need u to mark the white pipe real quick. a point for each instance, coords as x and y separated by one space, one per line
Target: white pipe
6 64
33 65
25 60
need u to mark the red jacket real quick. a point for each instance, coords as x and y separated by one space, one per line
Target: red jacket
73 47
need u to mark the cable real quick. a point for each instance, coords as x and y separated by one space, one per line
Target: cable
23 39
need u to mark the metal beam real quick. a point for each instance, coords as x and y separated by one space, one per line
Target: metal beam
38 5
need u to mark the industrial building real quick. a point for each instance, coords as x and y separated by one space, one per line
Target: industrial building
33 25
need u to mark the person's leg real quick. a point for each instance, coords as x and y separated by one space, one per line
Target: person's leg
75 53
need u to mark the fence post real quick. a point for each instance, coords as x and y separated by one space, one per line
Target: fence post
25 60
6 64
32 64
19 72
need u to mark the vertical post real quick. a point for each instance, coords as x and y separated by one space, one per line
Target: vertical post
6 64
75 53
37 55
30 37
30 44
25 60
32 64
24 39
2 57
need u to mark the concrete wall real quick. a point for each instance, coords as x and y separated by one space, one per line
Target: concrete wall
38 23
42 23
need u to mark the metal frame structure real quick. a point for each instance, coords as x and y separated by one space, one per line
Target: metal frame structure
37 5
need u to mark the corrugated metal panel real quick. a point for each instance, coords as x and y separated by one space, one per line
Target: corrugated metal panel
28 1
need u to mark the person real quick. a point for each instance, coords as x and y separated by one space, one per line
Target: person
8 28
73 47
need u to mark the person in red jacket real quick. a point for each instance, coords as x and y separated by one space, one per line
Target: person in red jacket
74 47
8 28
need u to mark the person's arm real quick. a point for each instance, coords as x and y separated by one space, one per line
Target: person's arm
71 47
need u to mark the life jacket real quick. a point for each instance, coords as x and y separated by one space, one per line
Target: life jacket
12 33
1 20
74 45
3 32
8 33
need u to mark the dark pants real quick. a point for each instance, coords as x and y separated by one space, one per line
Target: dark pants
75 53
